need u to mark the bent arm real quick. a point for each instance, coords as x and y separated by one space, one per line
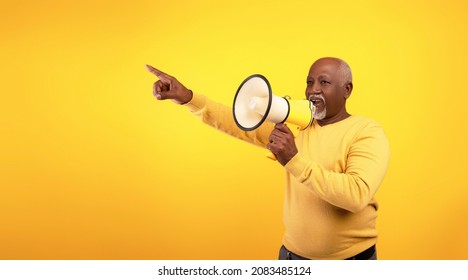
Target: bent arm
366 165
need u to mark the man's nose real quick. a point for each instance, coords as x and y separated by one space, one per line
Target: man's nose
314 89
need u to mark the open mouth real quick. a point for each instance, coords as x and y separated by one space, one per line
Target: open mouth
317 100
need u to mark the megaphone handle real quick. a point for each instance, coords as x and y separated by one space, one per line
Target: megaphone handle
271 156
294 129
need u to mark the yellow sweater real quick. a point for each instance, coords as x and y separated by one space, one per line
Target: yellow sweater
329 207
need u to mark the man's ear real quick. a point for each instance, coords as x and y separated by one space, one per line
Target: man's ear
348 90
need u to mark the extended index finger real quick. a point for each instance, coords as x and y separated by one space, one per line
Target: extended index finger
160 74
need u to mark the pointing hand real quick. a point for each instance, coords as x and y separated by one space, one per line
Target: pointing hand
168 87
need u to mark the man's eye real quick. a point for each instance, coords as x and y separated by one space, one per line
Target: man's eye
323 82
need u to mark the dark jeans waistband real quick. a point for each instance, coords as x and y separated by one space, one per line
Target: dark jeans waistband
367 254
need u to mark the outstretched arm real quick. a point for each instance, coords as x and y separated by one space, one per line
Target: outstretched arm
211 113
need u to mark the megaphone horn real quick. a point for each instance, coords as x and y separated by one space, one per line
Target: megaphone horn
254 103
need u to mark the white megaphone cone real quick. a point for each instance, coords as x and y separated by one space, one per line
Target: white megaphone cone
255 103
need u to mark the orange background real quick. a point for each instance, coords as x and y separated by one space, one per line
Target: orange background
93 167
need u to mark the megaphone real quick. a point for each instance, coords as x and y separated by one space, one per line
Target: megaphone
254 103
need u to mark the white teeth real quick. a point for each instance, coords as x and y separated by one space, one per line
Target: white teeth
316 98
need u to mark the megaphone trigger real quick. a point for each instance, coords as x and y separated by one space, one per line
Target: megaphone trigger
294 128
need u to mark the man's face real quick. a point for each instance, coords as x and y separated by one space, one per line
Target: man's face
327 89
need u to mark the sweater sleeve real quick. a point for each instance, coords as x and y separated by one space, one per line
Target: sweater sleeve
221 118
366 165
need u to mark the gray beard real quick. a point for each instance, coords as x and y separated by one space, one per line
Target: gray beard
320 115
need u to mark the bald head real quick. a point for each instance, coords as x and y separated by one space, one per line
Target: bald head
342 68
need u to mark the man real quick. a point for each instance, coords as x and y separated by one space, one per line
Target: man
333 168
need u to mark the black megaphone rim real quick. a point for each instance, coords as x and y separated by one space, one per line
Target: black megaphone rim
270 97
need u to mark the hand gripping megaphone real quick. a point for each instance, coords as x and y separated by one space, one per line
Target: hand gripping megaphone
254 103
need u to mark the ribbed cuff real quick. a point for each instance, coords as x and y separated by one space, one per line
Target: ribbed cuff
197 103
296 165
